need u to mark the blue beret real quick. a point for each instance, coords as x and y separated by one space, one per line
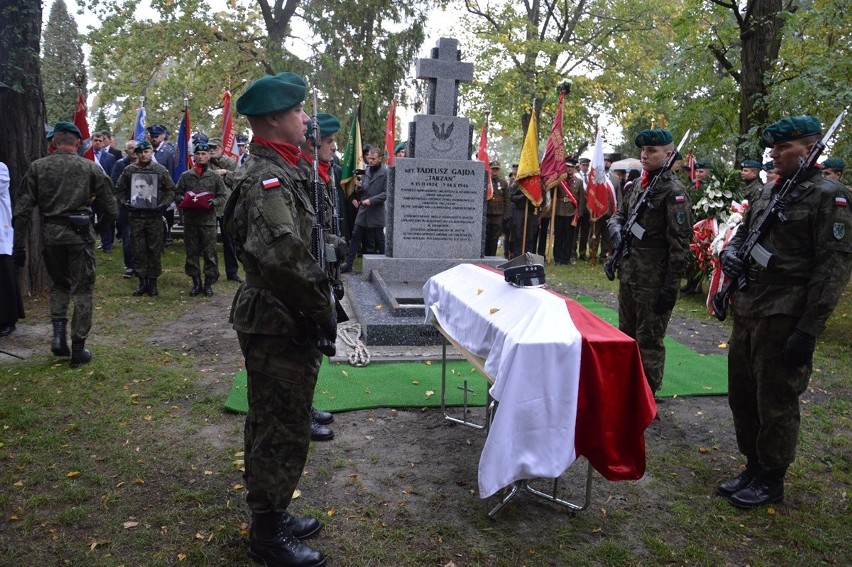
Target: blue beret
67 127
769 166
157 129
142 146
201 147
271 94
655 137
834 163
328 124
753 163
788 129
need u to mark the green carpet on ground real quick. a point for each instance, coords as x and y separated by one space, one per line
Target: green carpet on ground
341 387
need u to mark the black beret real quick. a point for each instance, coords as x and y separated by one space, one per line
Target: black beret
271 94
788 129
655 137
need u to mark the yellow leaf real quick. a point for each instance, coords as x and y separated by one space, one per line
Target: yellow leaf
430 393
380 306
723 345
19 483
770 511
703 450
415 382
331 512
72 474
344 373
181 556
199 535
128 525
494 310
238 486
428 363
14 518
297 494
208 473
479 291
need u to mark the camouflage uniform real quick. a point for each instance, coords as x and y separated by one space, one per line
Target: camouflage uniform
276 314
64 184
498 215
661 256
812 259
752 190
228 252
146 225
199 236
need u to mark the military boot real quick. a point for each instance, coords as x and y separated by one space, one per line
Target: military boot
79 353
143 287
196 286
273 543
208 286
59 345
734 485
767 487
152 287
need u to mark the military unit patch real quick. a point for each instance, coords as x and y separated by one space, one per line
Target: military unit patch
680 217
838 230
270 183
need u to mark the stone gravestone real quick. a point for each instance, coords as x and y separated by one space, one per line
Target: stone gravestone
436 212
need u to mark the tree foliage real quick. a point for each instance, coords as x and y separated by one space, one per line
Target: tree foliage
63 69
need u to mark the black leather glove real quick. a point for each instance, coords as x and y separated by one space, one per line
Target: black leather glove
731 263
19 257
666 297
799 349
614 229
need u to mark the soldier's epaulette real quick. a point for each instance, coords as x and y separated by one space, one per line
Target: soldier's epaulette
271 183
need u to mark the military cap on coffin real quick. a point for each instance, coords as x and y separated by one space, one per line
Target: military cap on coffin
752 163
271 94
655 137
142 146
328 124
789 129
67 127
834 163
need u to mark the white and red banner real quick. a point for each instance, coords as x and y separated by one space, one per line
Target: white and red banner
600 194
482 155
229 135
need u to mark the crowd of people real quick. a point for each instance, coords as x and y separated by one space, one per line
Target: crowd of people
278 217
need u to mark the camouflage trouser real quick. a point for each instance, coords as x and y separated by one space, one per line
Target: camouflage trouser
146 237
636 318
71 268
282 375
763 391
200 242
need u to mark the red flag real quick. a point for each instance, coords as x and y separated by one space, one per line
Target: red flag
600 194
82 124
553 168
690 163
482 155
229 135
529 172
389 132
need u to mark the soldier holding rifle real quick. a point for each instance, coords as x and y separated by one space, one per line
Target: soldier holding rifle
788 268
281 312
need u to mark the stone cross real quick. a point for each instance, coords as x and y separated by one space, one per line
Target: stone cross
444 71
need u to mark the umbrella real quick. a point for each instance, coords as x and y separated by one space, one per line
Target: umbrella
626 164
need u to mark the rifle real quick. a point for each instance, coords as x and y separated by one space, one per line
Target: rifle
750 250
631 226
318 244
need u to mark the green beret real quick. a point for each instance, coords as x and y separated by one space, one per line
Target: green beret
142 146
201 148
400 146
702 165
67 127
788 129
655 137
49 135
834 163
752 163
271 94
328 124
769 166
217 142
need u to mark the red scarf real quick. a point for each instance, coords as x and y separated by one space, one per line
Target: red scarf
322 166
199 169
289 152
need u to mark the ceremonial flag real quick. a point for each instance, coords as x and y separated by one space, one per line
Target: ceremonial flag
389 132
229 135
353 155
600 194
553 169
139 125
183 159
482 155
82 124
529 174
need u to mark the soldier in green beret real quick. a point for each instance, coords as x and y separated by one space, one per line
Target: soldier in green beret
769 170
199 192
279 312
649 278
833 168
750 176
782 311
146 188
63 186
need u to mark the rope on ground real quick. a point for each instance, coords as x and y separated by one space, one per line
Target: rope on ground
351 333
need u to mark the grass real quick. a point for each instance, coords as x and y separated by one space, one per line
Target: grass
107 465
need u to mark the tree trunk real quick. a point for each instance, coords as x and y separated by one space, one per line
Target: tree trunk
22 112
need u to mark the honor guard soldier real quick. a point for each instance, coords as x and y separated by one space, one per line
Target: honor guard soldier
833 168
750 175
63 186
649 278
281 313
783 309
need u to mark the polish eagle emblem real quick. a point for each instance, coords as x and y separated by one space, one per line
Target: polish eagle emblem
442 141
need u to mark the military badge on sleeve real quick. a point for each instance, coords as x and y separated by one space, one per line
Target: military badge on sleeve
680 217
838 230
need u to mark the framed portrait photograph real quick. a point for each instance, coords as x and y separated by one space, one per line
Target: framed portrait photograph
143 191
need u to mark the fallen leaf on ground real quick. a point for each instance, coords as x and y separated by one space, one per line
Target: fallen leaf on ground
429 393
72 474
130 525
494 310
